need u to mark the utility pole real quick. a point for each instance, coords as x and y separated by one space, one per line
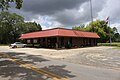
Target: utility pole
109 31
91 11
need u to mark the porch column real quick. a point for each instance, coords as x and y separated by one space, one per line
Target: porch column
57 43
46 42
92 41
25 41
95 42
32 42
39 42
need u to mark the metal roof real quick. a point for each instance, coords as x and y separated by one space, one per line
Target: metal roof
59 32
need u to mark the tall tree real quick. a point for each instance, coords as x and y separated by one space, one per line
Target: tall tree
116 37
101 28
12 26
5 4
9 28
81 27
31 27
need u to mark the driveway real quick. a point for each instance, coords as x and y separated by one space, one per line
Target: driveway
30 64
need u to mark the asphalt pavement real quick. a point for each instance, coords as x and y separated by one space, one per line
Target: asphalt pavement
23 66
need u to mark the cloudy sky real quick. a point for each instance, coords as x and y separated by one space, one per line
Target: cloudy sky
69 13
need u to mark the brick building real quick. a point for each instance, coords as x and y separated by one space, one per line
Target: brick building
61 38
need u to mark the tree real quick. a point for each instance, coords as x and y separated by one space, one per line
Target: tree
12 26
9 28
116 37
31 27
5 4
101 28
81 27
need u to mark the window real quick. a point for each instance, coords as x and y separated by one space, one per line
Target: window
28 41
35 41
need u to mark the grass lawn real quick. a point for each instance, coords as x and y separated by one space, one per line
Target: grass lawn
116 44
3 44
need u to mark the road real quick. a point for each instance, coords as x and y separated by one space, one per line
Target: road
23 66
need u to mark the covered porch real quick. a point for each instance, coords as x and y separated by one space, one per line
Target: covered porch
61 42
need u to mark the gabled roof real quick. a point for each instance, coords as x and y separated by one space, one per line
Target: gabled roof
59 32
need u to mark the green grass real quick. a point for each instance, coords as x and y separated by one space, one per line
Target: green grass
3 44
117 48
116 44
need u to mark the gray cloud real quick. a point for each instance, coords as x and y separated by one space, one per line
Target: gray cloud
47 7
70 12
27 15
66 12
79 16
111 9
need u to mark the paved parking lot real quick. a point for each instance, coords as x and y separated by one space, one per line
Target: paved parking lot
20 66
106 57
34 64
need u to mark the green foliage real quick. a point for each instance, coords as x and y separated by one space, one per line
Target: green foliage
116 37
32 27
9 28
12 26
102 29
109 44
81 28
5 4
